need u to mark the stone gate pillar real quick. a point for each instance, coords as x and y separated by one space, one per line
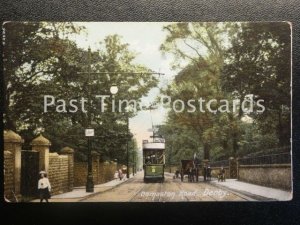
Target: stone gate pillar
13 143
41 144
70 153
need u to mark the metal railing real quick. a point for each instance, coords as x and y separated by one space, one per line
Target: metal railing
280 158
270 151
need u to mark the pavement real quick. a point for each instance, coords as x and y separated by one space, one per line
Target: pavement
260 192
242 189
79 193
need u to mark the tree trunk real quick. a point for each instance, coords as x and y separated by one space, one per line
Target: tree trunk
280 130
206 151
241 112
235 146
234 134
225 146
9 123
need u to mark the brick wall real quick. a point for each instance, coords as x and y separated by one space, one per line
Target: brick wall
58 173
60 167
107 171
96 171
8 175
276 175
102 172
80 173
69 152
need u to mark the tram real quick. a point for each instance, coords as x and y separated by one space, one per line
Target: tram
154 160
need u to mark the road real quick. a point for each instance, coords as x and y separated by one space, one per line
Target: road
171 190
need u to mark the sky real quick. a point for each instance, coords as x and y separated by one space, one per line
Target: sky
144 38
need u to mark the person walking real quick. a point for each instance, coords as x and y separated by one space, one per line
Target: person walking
204 172
223 173
208 173
120 174
44 187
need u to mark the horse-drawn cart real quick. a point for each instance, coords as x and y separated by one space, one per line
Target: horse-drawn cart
191 169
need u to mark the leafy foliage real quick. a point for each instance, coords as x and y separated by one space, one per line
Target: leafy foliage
229 61
41 59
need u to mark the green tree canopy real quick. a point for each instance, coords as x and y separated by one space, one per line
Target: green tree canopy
42 59
231 61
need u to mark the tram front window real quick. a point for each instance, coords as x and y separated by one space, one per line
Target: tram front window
154 157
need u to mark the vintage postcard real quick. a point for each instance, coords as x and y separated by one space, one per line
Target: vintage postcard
147 111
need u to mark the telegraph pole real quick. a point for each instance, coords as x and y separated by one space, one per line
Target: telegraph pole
127 148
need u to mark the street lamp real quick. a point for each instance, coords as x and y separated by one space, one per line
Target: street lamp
114 89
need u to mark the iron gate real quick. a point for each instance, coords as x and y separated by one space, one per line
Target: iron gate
29 173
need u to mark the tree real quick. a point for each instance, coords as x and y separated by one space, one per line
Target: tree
258 63
233 61
181 142
41 59
201 47
30 58
133 83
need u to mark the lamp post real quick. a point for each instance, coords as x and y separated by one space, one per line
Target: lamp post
127 148
89 132
133 163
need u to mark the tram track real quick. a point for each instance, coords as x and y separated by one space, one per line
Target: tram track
137 193
189 199
172 190
192 186
148 188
